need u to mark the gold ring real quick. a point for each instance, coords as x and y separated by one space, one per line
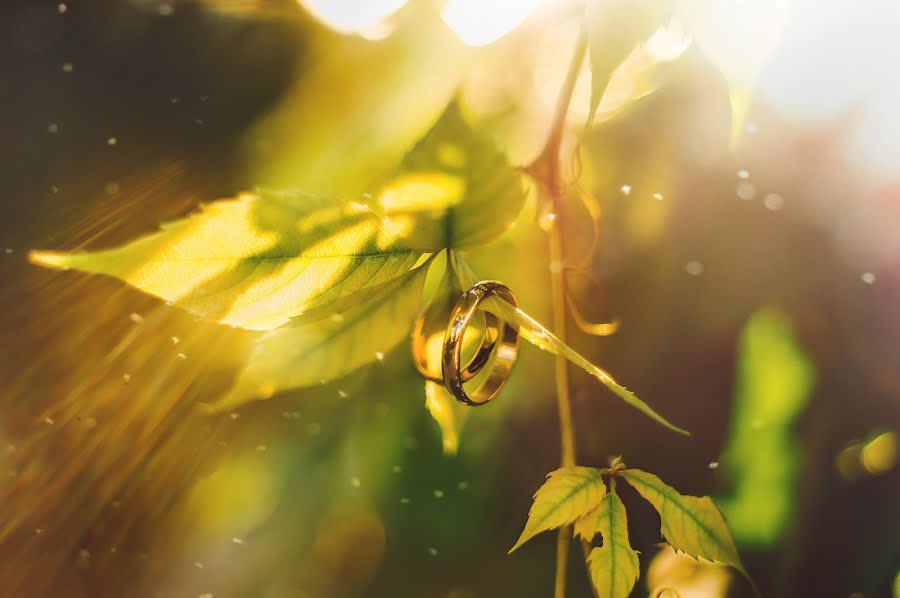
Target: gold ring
420 336
504 346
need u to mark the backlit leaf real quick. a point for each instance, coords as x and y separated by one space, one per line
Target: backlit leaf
568 494
614 29
736 37
640 74
691 524
298 356
258 261
454 189
358 105
614 566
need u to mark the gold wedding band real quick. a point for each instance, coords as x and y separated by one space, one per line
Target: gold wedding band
504 344
420 338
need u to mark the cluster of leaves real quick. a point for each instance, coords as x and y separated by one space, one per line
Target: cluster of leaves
330 282
722 30
578 495
332 285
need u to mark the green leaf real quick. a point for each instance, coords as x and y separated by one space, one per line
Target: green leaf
568 494
259 261
541 337
691 524
614 566
454 189
299 356
614 29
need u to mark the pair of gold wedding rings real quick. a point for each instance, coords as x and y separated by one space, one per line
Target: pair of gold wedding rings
499 340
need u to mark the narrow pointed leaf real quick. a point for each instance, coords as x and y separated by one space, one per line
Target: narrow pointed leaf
259 261
568 494
537 334
691 524
299 356
614 566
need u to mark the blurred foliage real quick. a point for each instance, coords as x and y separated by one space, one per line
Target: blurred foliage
774 381
673 574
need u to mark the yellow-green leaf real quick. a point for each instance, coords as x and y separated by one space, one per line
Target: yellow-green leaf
298 356
691 524
454 189
259 261
614 566
589 525
568 494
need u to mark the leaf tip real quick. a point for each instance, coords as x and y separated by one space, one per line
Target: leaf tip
49 259
673 427
522 539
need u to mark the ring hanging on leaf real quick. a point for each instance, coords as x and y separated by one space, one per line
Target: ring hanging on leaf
420 336
500 339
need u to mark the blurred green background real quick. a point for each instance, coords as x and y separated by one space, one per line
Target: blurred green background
756 288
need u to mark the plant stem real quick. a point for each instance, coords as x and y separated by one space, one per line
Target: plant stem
546 171
553 188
